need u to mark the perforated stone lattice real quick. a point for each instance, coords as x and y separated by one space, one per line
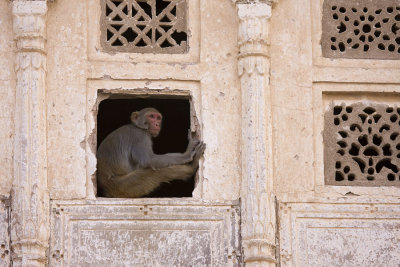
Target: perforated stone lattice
361 29
144 26
362 145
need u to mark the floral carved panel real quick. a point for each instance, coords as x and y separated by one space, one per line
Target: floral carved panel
362 144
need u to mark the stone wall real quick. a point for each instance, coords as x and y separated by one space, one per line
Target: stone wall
304 84
324 223
259 86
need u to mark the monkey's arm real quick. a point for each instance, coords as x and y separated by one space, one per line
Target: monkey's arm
169 159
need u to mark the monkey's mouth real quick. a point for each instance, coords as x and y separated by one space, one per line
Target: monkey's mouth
154 133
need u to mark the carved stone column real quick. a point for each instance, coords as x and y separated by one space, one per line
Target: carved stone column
258 208
29 196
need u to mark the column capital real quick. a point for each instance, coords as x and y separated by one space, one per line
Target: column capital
29 24
253 36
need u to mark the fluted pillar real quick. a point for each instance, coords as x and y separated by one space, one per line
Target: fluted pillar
29 196
258 208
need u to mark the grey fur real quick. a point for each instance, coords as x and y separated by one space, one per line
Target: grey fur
128 167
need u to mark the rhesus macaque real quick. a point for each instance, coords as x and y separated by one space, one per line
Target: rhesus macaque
127 166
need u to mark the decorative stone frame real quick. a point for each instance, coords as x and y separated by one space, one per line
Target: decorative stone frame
136 229
97 56
305 227
136 26
323 95
361 70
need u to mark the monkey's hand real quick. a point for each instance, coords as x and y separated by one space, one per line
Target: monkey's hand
191 148
198 153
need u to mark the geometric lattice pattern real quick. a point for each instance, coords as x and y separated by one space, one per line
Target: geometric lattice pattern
144 26
362 144
361 29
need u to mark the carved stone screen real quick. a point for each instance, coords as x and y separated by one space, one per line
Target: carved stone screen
362 144
361 29
144 26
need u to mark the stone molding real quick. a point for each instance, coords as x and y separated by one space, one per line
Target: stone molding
258 208
29 194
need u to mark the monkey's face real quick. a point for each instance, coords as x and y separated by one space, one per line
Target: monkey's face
154 120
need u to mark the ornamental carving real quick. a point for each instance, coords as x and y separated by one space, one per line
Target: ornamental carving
362 144
361 29
144 26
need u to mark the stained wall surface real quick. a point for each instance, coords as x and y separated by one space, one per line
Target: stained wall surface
7 97
66 98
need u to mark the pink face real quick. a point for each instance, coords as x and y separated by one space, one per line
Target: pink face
154 121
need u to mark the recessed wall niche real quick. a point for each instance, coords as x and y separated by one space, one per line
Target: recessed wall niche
115 112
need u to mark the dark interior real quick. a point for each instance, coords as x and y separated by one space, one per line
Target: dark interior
114 113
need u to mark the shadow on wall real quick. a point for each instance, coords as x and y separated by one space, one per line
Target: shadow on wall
114 113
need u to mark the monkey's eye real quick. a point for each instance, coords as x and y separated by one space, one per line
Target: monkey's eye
152 116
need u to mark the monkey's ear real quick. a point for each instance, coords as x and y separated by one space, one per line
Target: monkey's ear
139 121
134 116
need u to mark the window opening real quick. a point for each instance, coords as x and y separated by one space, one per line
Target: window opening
115 112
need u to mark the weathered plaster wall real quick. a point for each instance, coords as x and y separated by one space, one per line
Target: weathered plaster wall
221 100
66 98
7 97
291 81
207 73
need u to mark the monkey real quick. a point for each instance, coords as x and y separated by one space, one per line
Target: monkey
127 167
